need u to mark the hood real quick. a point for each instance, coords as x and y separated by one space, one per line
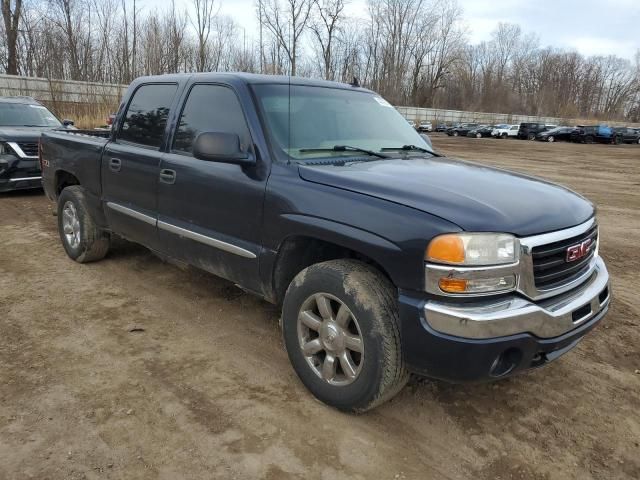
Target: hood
22 134
474 197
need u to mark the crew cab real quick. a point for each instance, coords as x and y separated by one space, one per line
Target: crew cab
22 119
505 131
385 257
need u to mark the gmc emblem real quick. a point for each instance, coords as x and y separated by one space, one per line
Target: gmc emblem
576 252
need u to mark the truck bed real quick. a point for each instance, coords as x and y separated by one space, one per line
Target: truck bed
74 154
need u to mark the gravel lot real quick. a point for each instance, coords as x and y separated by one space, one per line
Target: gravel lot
132 368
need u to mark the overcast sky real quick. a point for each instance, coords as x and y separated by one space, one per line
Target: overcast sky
592 27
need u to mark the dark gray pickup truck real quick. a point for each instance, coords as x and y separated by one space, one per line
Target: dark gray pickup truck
386 257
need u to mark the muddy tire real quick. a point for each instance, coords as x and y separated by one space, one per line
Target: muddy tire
340 327
82 240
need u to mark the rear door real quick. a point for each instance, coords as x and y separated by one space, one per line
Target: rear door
210 212
131 164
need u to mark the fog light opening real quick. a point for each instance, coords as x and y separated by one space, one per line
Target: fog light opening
505 362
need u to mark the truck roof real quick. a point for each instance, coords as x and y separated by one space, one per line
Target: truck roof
248 78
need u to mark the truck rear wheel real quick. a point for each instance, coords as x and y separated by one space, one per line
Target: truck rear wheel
81 238
340 328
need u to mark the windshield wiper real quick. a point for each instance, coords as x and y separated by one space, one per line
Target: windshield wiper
407 148
343 148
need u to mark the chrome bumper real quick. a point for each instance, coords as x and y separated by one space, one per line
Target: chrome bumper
515 314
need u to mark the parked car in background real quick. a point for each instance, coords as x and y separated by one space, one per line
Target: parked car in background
441 127
558 133
22 120
528 131
629 135
412 123
504 130
481 131
425 126
385 257
461 130
595 134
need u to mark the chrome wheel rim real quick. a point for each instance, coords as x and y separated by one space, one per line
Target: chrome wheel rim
71 225
330 339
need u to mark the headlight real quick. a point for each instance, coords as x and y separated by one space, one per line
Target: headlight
473 249
472 263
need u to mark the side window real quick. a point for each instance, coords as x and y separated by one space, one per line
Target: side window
147 114
210 108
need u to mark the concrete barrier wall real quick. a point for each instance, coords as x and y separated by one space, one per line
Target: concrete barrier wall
90 102
457 116
67 91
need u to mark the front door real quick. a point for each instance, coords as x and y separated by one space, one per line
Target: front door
131 165
210 212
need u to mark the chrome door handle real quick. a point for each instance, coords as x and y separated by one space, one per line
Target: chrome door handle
168 176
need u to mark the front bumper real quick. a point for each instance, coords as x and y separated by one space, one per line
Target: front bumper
19 173
488 339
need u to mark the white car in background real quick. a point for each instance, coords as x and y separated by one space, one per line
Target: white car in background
425 126
505 131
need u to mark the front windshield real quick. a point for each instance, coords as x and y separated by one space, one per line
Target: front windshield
26 115
318 118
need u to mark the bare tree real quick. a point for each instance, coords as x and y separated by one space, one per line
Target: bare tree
11 11
203 24
325 28
286 24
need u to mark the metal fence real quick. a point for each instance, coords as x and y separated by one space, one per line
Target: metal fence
91 101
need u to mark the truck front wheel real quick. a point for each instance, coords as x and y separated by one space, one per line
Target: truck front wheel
81 238
340 328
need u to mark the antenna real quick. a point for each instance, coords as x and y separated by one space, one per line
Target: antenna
355 83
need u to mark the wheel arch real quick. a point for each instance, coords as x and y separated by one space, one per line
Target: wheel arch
300 250
62 180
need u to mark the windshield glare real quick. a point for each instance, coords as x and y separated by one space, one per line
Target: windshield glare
20 115
321 118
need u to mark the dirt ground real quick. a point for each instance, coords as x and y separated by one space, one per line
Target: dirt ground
132 368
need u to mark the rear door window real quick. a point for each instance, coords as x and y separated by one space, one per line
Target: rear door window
147 114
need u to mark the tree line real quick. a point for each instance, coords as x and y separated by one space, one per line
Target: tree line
413 52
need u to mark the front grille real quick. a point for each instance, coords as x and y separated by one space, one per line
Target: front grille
550 266
29 149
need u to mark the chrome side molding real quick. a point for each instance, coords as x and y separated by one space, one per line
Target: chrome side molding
183 232
212 242
132 213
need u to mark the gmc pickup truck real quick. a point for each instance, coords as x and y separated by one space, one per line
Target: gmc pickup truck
386 257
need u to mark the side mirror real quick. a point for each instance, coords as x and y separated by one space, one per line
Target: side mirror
68 123
220 147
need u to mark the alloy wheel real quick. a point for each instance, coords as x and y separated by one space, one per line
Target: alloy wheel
330 339
71 225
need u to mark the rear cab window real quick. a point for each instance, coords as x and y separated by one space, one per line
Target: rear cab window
146 117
